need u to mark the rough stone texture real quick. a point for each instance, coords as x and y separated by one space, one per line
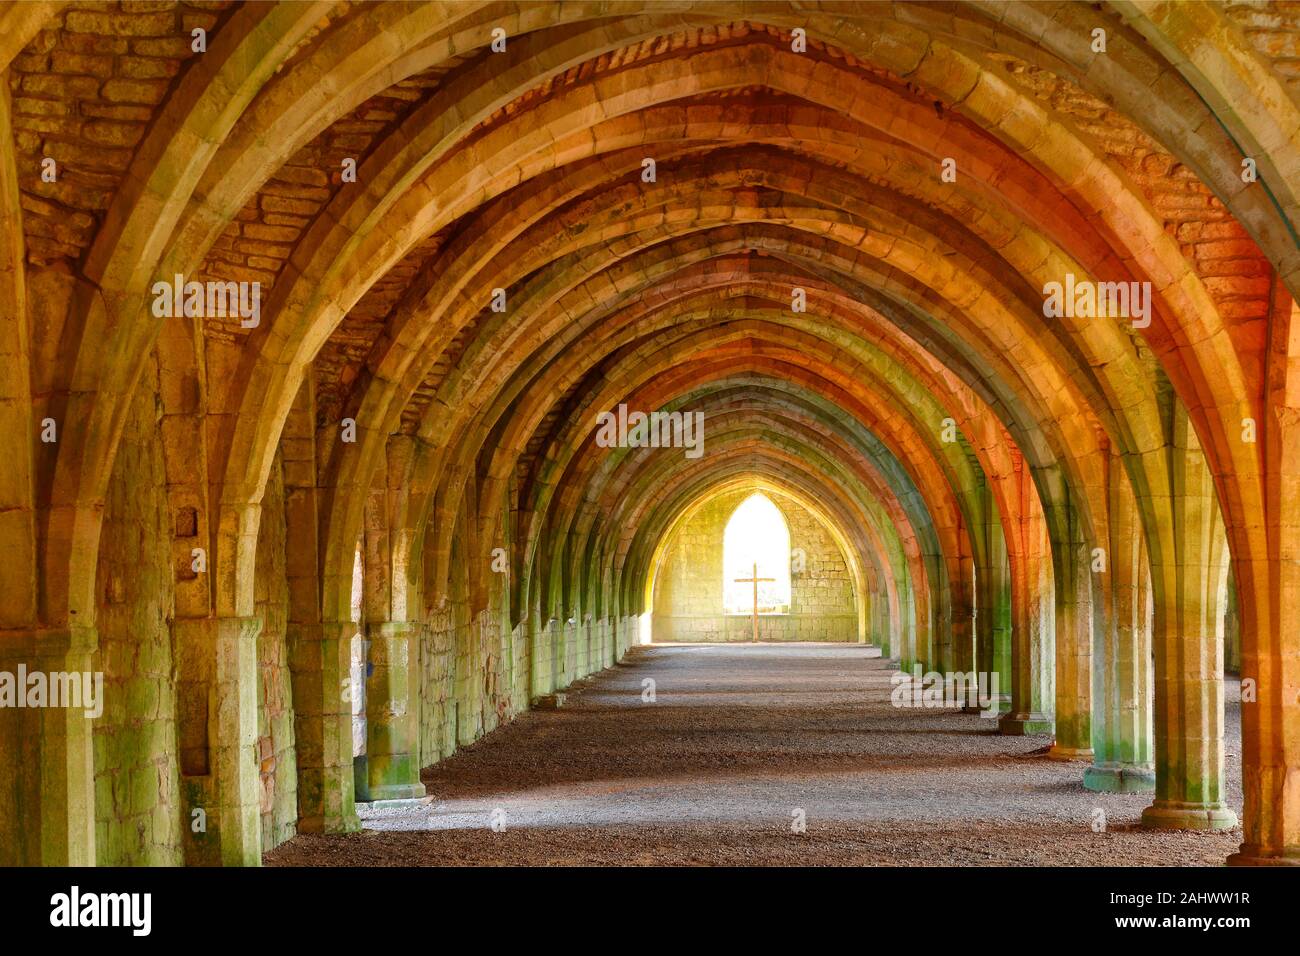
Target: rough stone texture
689 585
863 331
137 802
439 713
276 753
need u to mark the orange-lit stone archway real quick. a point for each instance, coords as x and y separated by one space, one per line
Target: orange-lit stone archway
827 228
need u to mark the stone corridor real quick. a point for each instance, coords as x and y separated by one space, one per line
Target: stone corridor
738 739
373 373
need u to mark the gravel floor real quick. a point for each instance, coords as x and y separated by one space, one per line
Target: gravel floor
740 738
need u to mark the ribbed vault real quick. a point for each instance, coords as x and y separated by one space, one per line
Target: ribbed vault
826 228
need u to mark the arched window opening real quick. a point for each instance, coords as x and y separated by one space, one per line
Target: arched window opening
756 540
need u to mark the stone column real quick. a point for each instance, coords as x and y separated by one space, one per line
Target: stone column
1265 579
217 676
393 712
1032 650
908 650
1232 631
1000 588
322 722
880 622
1270 724
993 619
1189 654
1189 731
963 620
1074 638
982 660
1124 761
47 755
935 629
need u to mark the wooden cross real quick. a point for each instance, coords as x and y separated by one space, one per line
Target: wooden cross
754 580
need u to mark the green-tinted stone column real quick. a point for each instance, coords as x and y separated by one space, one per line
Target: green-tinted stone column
1000 586
909 639
320 659
963 621
235 741
393 712
993 619
1189 731
47 765
880 624
1188 639
1124 761
1232 631
1032 649
217 690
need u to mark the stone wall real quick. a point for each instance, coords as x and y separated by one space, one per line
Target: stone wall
469 665
137 802
439 706
478 673
688 604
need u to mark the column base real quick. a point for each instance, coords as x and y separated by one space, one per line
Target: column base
1163 815
1026 725
394 791
349 823
1119 778
365 808
1250 855
992 711
1057 752
1002 703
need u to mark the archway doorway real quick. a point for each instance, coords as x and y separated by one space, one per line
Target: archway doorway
702 591
756 559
